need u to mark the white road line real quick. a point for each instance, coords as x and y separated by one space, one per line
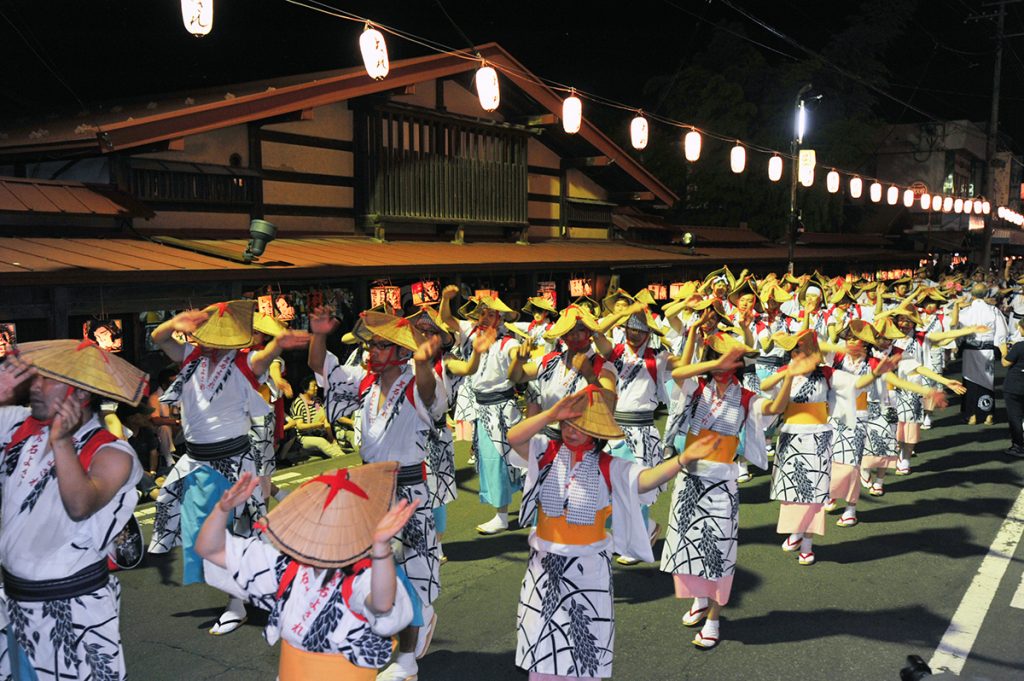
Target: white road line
959 638
1018 596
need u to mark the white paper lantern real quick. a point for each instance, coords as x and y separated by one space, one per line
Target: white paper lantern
375 53
1000 212
487 87
691 146
806 176
977 206
856 187
908 197
958 206
832 182
936 203
892 195
986 207
775 168
947 204
197 15
875 192
738 158
572 114
968 205
926 201
638 132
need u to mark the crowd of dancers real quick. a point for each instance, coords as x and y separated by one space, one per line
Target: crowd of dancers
833 378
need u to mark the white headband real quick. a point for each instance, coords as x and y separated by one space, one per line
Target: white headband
813 289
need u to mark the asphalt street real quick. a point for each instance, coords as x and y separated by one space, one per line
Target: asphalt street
880 591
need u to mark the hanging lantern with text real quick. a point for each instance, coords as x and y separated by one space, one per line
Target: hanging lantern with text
389 296
856 187
197 15
691 146
738 158
947 204
968 205
805 170
572 113
487 87
638 132
775 168
958 206
375 52
832 182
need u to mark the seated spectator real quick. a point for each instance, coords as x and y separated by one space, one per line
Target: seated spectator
309 422
165 418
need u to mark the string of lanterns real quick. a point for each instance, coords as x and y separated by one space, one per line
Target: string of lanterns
197 16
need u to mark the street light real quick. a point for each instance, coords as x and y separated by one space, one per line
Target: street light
798 138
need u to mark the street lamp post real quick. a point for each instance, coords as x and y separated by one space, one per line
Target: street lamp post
794 151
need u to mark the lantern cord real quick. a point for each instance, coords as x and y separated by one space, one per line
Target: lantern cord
457 28
556 86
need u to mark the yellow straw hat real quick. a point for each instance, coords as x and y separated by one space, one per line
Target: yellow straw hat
724 273
861 330
773 291
608 303
393 329
586 302
885 327
722 343
598 418
788 342
83 365
745 287
470 309
844 292
430 313
507 313
645 296
267 325
568 320
228 327
329 521
542 303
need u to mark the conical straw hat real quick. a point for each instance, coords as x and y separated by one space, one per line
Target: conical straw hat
722 343
394 329
773 291
470 309
539 303
885 327
267 325
598 418
861 330
507 313
83 365
608 303
744 287
788 341
567 321
844 292
329 521
645 296
428 312
585 301
229 326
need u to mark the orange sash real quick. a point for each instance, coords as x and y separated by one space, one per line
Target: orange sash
300 665
561 531
806 413
862 402
725 452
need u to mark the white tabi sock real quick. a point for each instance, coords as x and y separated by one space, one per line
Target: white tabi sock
806 545
795 537
710 629
850 512
699 604
502 516
407 661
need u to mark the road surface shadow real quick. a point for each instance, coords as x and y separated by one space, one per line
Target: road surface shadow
503 545
467 664
953 542
784 626
927 508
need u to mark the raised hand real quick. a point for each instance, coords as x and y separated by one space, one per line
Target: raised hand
524 350
569 407
888 364
427 348
733 359
394 520
804 365
701 449
13 372
322 321
584 366
238 493
450 291
189 320
293 340
66 420
483 340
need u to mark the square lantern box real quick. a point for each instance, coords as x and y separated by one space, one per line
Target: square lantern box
425 292
581 287
8 337
389 296
485 292
106 333
658 291
548 290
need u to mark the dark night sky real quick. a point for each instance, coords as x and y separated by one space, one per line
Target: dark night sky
106 50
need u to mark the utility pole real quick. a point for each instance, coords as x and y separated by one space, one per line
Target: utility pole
794 151
991 142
